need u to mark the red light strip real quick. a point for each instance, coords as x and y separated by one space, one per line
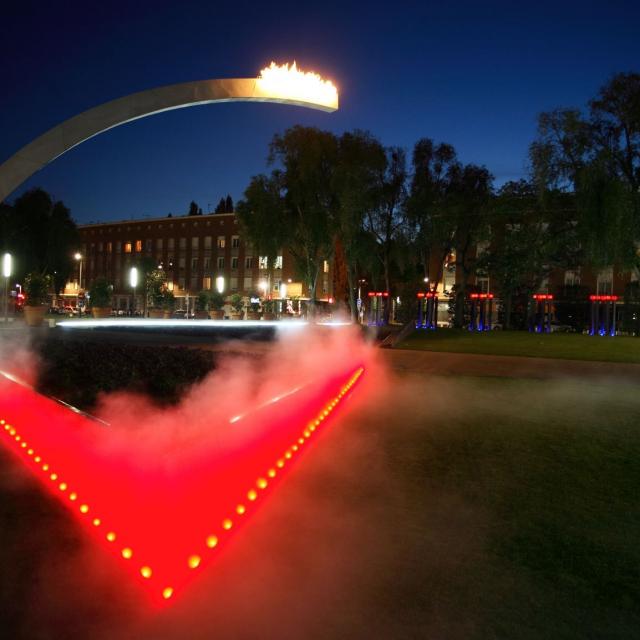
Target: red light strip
543 296
481 296
85 510
603 298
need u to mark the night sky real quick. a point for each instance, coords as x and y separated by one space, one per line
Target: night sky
473 74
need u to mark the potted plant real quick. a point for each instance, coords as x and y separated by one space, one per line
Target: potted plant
216 306
157 299
237 305
268 310
202 301
100 298
168 303
36 287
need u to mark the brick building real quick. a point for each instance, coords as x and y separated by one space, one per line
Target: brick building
205 252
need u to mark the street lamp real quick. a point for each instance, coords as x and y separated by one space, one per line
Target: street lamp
133 281
78 257
6 272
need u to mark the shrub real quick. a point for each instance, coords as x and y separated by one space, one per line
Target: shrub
216 301
100 293
237 303
202 301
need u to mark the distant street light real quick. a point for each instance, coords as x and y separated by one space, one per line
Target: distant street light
133 281
6 272
78 257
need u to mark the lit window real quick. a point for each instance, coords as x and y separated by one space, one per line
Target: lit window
127 247
278 262
138 246
221 242
325 266
206 283
263 262
109 247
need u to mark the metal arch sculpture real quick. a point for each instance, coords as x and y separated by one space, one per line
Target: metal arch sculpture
72 132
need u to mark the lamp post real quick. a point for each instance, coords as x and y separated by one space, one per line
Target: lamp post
133 280
6 272
78 257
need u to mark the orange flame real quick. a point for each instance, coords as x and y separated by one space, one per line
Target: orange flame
289 82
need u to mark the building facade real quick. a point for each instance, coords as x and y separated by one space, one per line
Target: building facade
204 252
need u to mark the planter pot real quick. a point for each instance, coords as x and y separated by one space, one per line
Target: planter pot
156 313
253 315
34 315
216 314
201 315
101 312
236 315
268 316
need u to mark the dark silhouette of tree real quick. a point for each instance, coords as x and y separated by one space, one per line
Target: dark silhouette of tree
41 235
228 204
221 206
194 210
597 156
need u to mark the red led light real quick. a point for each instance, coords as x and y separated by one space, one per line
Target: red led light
165 523
607 298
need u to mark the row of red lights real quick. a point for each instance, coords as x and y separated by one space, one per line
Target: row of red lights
378 294
543 296
211 542
603 298
428 294
482 296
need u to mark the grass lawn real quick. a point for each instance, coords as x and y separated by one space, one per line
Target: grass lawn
522 514
569 346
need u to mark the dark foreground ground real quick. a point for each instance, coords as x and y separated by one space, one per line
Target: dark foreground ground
439 508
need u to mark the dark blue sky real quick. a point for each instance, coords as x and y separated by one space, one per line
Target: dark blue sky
474 74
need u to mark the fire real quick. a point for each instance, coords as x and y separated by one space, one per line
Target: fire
287 81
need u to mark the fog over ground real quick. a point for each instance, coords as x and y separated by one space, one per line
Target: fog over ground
384 529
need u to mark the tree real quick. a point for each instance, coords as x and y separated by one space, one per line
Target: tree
597 157
361 158
194 209
41 235
228 204
434 167
466 214
297 201
386 216
221 206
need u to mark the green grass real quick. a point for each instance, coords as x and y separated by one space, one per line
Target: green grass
528 494
568 346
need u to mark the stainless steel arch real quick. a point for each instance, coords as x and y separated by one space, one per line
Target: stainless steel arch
76 130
